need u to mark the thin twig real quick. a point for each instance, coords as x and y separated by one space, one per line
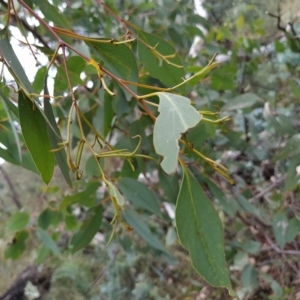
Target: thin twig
268 189
15 196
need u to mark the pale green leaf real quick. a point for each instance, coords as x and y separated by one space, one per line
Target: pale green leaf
241 101
200 232
114 192
176 116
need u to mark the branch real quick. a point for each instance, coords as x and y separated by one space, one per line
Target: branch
15 196
268 189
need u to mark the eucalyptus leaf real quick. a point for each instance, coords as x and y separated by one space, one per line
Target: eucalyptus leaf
200 232
176 116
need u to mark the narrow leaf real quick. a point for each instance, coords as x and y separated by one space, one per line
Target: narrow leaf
143 230
36 137
138 194
200 232
14 131
47 240
241 101
88 230
55 139
176 116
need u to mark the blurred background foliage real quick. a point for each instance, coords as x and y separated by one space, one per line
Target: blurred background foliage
258 84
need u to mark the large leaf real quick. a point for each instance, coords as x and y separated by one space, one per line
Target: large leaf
118 59
138 194
55 138
176 116
88 230
36 137
200 232
169 74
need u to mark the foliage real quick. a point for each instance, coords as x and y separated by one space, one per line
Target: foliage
119 94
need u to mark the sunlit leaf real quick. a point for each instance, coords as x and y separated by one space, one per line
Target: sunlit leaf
176 116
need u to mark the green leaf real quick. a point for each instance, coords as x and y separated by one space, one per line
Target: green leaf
118 59
230 207
176 116
18 221
52 13
168 74
75 66
86 197
143 230
14 131
14 66
17 71
138 194
249 278
71 222
9 104
280 225
88 229
114 192
241 101
108 114
55 138
47 240
224 77
39 80
49 217
200 232
251 246
18 246
36 137
292 230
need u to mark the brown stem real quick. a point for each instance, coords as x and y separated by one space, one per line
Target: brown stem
15 196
